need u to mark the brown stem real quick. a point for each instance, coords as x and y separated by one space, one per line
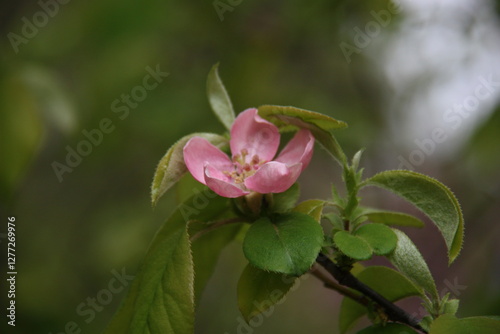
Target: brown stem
393 312
331 284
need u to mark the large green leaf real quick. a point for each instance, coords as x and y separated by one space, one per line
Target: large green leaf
206 250
430 196
259 290
287 243
408 260
391 218
219 99
448 324
390 328
387 282
320 125
282 116
172 166
161 297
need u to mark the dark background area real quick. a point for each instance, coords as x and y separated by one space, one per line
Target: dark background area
64 66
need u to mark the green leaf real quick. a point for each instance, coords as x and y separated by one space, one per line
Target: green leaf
390 328
352 246
206 250
161 298
335 219
172 167
285 201
451 306
387 282
391 218
380 237
448 324
311 207
330 144
356 159
407 259
219 99
287 243
432 198
186 187
282 116
259 290
320 125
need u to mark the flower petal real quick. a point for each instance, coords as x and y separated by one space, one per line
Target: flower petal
273 177
222 184
198 152
299 149
255 134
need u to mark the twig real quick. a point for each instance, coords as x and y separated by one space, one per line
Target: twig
331 284
392 311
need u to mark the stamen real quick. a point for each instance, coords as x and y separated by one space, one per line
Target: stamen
243 169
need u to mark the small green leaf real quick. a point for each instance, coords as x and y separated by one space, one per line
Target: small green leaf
219 99
387 282
390 328
172 167
320 125
407 259
285 201
451 306
287 243
380 237
430 196
356 159
161 297
352 246
259 291
311 207
335 219
206 250
391 218
448 324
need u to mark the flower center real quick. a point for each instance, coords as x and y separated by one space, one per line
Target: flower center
242 168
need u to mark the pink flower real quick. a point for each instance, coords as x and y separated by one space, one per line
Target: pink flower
254 143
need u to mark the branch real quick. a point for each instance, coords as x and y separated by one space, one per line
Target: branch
331 284
392 311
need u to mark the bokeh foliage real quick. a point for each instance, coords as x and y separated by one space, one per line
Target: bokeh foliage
72 234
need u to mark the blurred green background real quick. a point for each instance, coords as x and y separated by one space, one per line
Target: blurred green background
65 68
